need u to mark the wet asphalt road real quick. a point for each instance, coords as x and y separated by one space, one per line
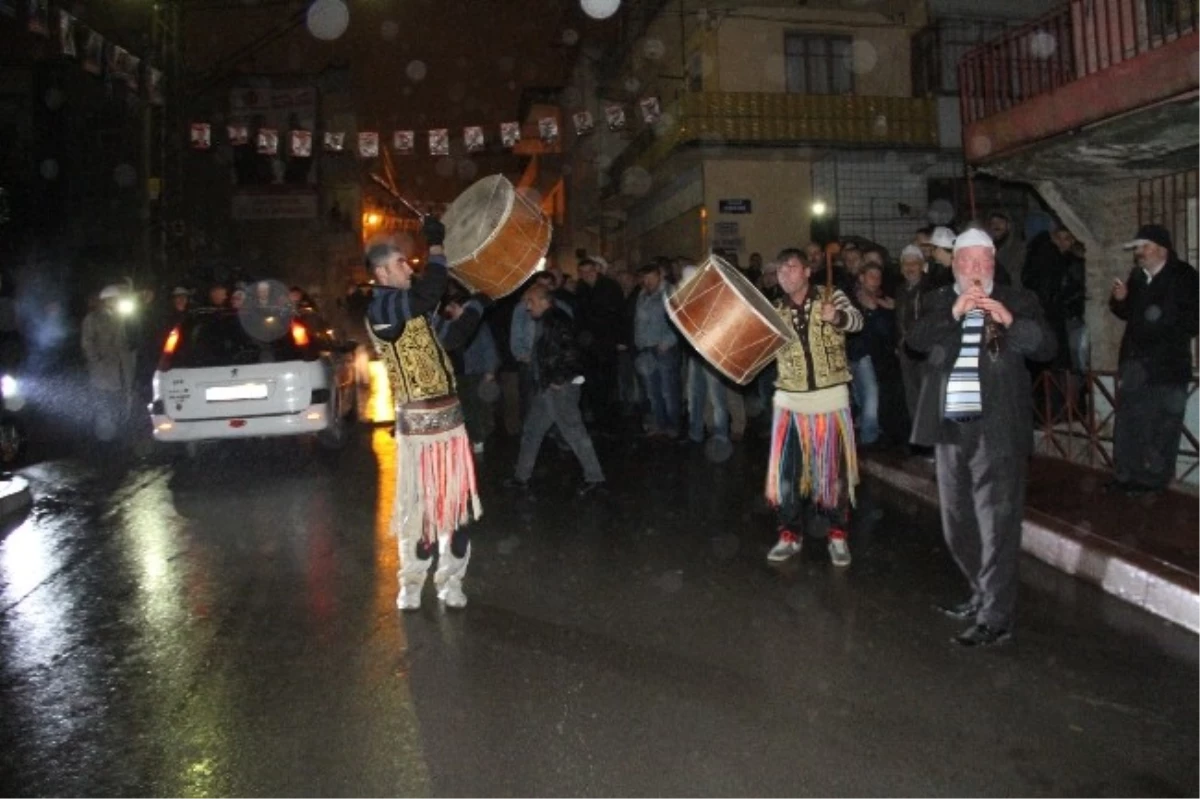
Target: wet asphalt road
227 626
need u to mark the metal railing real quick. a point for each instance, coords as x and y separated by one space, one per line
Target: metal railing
1074 415
1079 39
781 118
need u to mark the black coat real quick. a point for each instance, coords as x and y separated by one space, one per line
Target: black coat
1161 320
601 312
556 353
1004 382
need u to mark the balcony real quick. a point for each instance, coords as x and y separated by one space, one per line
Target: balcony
779 119
1087 61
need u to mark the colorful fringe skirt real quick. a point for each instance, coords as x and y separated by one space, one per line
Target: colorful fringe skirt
812 435
436 490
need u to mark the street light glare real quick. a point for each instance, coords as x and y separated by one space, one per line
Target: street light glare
818 208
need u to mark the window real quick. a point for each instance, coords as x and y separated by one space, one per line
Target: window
819 64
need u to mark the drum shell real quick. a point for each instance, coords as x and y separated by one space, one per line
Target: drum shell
728 321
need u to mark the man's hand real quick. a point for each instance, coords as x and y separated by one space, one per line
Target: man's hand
433 230
996 309
966 302
828 312
887 302
1119 290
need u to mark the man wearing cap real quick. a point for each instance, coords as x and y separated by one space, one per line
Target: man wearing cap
436 494
941 257
975 408
1158 303
908 310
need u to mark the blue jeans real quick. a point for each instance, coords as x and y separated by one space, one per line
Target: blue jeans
705 383
866 398
663 390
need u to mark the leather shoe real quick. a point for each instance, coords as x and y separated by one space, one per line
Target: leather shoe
959 611
982 635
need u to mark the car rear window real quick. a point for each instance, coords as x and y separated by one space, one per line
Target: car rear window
225 338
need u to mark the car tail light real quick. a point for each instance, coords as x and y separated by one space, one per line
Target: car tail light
299 334
169 347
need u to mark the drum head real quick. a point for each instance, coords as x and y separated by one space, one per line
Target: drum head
475 216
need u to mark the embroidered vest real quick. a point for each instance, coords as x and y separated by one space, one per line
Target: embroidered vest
825 343
417 366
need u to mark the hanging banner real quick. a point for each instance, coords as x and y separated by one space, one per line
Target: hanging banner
154 86
439 141
39 17
93 53
66 34
268 141
548 129
300 143
614 115
473 138
510 134
335 142
272 109
403 141
650 110
239 134
368 144
584 123
201 136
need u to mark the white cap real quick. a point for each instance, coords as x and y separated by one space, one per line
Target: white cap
912 251
687 274
942 237
111 292
973 238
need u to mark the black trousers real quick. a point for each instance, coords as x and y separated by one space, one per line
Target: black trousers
1148 426
982 497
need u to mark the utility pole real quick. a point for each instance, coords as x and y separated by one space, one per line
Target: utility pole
162 163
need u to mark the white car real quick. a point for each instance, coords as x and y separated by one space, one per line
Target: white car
250 374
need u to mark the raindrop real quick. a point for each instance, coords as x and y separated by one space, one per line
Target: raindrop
125 175
54 98
570 37
940 212
327 19
632 84
1153 313
599 9
445 167
467 169
880 125
1042 45
981 145
49 169
635 181
416 71
389 30
506 63
654 49
862 57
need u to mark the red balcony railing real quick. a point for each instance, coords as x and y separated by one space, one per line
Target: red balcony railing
1079 39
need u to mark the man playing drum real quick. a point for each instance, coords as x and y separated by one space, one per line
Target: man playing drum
436 493
812 458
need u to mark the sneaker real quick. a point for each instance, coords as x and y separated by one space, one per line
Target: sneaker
982 635
410 596
839 547
451 594
788 546
477 447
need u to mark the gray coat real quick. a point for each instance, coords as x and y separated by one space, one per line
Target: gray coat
1004 382
109 359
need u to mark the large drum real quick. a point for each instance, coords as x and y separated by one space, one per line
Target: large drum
728 320
496 237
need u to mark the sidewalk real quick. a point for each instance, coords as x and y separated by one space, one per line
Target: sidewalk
14 496
1144 550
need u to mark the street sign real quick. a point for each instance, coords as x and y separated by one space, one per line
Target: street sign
739 206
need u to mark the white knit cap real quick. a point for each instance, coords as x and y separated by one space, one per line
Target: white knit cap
942 237
912 251
111 292
973 238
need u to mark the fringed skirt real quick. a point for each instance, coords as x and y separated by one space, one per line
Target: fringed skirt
812 435
436 490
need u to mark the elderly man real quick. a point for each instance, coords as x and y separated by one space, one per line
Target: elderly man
1159 305
812 462
975 409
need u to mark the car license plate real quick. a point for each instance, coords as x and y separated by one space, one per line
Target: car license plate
245 391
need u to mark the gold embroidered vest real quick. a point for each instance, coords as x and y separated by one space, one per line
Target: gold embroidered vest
825 343
417 366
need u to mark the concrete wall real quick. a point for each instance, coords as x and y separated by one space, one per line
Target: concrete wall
780 193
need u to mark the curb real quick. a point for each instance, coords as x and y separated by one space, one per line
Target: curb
1160 589
14 496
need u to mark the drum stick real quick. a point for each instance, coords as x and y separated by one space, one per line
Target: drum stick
395 194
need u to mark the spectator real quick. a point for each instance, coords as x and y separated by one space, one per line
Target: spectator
475 364
908 311
1158 302
600 309
1010 248
657 360
863 349
941 256
705 388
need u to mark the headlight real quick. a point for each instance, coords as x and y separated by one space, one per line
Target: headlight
9 386
126 306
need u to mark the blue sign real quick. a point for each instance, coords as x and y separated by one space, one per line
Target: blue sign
733 206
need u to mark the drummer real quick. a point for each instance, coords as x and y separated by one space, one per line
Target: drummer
436 493
812 461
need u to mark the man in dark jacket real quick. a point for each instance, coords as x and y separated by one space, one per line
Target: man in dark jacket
601 308
975 408
558 375
1159 305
